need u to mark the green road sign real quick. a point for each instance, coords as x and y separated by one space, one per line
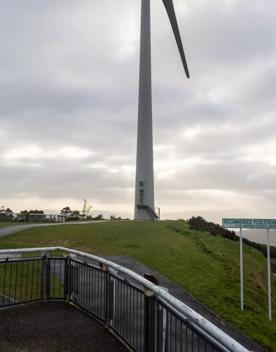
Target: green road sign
249 223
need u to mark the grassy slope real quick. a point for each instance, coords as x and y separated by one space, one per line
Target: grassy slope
4 224
206 266
12 223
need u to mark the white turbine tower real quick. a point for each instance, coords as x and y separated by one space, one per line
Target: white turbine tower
144 184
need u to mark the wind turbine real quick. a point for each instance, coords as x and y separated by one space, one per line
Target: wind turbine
144 184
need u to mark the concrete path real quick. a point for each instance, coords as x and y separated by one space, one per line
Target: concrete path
53 327
8 230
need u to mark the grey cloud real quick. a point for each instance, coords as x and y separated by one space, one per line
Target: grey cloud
69 79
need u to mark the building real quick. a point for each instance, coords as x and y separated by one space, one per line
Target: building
45 217
6 216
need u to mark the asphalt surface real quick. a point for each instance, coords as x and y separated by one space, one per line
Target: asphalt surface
53 327
8 230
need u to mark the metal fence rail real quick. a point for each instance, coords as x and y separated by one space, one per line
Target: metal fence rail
56 272
20 281
127 315
88 288
176 334
141 314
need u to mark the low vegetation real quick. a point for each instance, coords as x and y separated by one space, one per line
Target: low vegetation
4 224
206 266
21 281
200 224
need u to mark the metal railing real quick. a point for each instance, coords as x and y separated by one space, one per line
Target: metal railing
141 314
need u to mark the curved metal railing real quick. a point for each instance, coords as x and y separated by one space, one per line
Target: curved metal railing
145 316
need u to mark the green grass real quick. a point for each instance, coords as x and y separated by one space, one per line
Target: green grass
206 266
15 281
5 224
13 223
22 281
273 266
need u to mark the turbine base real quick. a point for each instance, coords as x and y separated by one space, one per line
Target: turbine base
145 212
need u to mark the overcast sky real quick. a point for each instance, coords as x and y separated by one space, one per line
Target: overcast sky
68 106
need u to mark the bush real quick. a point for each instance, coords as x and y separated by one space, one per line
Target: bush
200 224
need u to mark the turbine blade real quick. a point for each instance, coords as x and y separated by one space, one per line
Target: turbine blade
172 17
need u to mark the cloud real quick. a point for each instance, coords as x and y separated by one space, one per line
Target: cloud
68 106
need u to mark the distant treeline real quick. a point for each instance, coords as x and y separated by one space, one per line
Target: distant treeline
200 224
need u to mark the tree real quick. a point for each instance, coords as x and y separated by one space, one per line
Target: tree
3 209
75 214
99 217
66 211
113 217
36 211
200 224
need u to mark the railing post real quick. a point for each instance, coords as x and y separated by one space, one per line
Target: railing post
73 281
149 317
67 278
162 327
45 277
111 295
42 278
108 294
48 279
43 271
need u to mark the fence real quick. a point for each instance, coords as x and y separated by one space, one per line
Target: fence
144 316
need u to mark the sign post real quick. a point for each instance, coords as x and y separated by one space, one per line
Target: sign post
269 274
253 224
241 269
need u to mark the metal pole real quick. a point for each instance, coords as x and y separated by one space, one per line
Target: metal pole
241 269
269 274
149 316
144 184
67 278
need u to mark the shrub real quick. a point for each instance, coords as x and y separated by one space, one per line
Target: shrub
200 224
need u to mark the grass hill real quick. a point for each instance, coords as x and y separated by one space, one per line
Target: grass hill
4 224
206 266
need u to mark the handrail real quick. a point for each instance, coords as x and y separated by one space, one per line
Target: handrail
217 334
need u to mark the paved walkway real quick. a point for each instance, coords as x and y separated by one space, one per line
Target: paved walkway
53 327
4 231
